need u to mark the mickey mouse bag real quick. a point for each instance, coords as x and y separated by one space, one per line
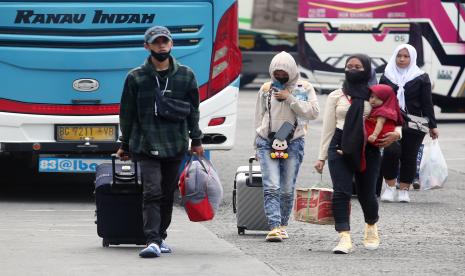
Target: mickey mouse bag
279 139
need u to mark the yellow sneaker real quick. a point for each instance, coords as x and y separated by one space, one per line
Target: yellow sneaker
274 235
345 243
371 239
284 234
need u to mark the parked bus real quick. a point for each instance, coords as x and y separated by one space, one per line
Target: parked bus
260 45
329 31
63 64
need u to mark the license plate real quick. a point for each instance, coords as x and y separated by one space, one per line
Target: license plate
77 133
69 165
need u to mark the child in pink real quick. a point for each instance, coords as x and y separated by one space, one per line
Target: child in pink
385 114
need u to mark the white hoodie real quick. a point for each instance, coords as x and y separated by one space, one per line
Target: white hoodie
289 109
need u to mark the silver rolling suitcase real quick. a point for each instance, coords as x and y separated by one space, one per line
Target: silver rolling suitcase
248 199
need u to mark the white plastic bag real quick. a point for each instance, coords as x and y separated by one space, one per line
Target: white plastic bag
433 167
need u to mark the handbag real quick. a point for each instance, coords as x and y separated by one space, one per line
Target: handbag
415 122
171 109
200 188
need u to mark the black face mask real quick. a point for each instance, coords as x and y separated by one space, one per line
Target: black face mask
160 56
283 80
355 76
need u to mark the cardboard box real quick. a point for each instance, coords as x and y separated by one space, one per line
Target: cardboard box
314 205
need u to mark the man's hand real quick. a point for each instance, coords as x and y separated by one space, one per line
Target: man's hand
122 155
388 139
319 165
434 133
197 150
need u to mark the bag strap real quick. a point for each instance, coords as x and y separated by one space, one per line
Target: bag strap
159 87
321 184
406 111
201 160
269 114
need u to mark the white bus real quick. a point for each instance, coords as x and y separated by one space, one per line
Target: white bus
330 31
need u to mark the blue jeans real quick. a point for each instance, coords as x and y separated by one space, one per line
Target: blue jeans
279 177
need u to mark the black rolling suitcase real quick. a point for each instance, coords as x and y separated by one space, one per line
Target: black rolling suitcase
118 198
248 199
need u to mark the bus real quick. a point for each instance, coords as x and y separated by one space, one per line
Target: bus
330 31
63 65
261 41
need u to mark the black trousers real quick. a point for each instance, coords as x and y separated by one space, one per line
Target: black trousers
404 152
160 178
342 175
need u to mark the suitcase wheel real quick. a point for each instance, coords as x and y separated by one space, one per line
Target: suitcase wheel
240 230
105 243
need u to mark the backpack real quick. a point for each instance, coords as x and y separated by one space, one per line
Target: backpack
200 188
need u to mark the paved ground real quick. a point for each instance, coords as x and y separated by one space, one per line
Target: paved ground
49 229
46 235
424 237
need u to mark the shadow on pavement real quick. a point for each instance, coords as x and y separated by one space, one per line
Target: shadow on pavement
24 185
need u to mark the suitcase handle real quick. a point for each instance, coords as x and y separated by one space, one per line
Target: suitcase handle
127 177
251 159
234 202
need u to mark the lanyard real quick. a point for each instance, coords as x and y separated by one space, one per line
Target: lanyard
166 85
162 93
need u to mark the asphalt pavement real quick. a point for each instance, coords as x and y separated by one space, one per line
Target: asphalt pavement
51 238
42 233
424 237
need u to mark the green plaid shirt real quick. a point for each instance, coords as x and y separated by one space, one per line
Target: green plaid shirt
145 133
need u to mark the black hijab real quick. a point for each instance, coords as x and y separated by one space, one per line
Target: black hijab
353 137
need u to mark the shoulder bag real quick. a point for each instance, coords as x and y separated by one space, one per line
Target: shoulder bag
417 123
171 109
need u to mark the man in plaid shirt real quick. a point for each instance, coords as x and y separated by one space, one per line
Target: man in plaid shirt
158 144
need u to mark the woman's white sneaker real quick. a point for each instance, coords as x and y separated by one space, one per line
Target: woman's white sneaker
345 243
403 196
389 194
371 238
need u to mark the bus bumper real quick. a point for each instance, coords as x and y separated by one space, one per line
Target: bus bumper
59 147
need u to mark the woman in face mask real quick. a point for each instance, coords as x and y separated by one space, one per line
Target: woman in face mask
343 131
413 88
285 100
